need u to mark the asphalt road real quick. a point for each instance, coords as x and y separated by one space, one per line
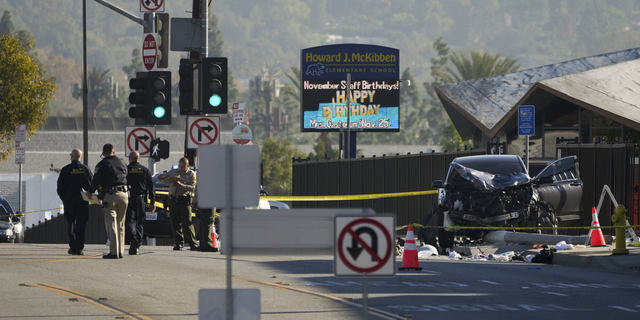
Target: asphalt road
42 281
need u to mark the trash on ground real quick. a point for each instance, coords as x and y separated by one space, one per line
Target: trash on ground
479 257
502 257
544 256
454 255
427 251
562 245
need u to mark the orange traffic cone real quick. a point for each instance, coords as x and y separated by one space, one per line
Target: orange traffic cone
410 253
597 238
214 238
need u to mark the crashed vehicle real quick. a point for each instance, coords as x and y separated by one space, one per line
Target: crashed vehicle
497 191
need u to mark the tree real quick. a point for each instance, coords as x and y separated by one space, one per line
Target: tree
136 64
477 65
437 120
277 161
24 92
101 91
216 49
26 40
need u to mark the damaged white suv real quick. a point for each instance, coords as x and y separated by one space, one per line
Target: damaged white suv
496 191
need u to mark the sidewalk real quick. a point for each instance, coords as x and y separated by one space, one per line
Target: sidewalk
582 256
600 258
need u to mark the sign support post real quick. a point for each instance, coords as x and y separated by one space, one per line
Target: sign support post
526 126
21 138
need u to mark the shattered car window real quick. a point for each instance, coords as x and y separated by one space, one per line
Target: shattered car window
561 170
486 181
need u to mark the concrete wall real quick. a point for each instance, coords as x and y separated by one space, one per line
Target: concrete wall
39 195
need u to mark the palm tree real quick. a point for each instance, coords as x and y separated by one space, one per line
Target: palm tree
478 65
100 88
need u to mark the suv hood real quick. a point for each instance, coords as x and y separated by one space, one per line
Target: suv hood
488 182
6 225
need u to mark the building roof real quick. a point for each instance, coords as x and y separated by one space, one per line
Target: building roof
603 83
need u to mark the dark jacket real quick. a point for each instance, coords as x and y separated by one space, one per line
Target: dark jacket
140 181
110 172
72 179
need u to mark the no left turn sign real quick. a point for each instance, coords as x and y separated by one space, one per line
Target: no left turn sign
365 246
203 131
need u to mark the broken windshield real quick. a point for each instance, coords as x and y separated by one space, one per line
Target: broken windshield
485 181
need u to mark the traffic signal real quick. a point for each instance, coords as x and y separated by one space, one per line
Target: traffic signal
214 85
159 149
186 86
162 39
158 97
138 98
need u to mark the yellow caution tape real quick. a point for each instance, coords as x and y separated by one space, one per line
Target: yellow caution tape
24 213
349 197
417 225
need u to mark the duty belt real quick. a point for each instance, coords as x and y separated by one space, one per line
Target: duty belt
118 189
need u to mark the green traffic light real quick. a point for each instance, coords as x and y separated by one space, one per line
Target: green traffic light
158 112
215 100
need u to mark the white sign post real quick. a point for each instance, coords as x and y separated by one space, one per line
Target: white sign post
21 138
238 112
21 154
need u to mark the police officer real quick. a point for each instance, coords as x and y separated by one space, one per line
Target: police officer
74 178
110 178
182 183
141 184
207 219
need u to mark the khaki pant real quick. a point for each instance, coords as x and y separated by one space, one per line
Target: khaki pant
114 216
182 223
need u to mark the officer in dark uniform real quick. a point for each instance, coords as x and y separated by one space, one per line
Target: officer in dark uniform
141 184
73 178
110 178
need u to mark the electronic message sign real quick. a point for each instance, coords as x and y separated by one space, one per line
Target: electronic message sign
374 90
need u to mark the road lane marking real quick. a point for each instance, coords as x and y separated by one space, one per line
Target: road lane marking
83 297
88 256
373 311
623 308
558 294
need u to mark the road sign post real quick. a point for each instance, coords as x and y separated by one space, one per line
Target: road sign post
526 126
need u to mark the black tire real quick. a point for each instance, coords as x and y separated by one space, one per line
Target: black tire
428 235
445 238
435 235
547 217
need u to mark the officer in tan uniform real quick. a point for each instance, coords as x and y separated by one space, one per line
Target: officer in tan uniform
182 183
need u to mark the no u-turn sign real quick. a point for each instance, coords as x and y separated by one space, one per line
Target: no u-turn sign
365 246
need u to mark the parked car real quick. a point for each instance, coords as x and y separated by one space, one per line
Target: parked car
11 229
496 191
158 225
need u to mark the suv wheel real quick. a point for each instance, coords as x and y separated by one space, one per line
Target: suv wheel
547 217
